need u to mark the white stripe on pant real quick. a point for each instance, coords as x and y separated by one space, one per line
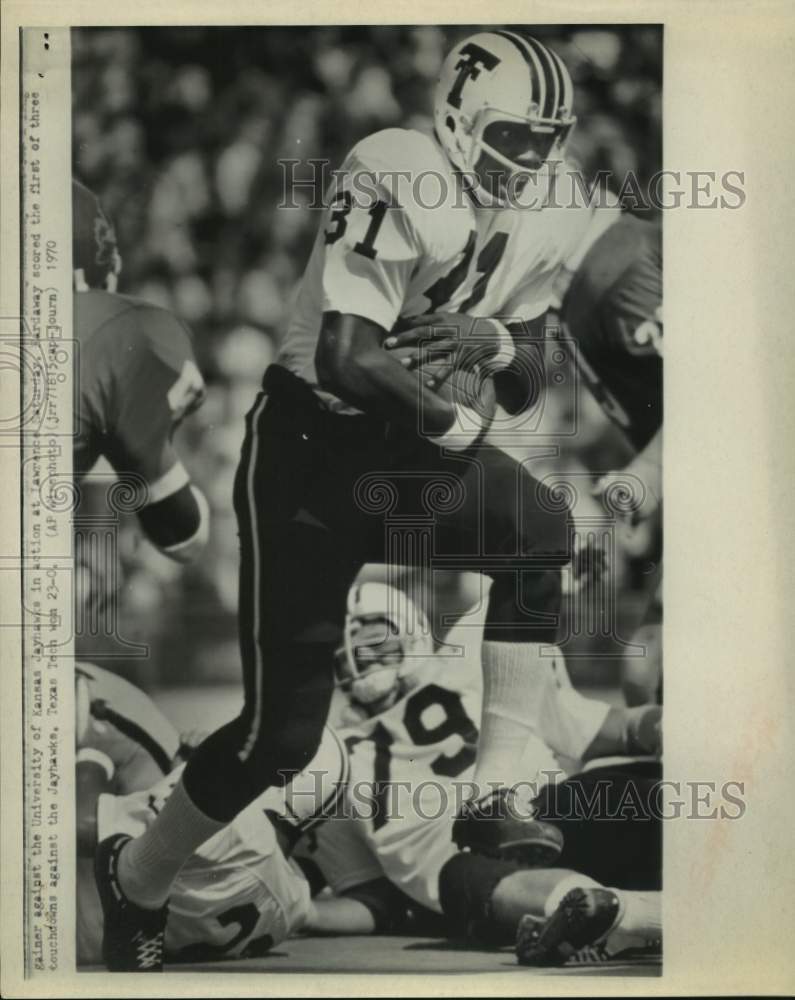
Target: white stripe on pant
252 513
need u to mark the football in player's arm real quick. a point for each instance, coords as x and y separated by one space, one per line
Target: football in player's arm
364 291
138 380
331 411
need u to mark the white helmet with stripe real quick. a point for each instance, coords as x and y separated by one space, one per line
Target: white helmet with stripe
386 638
503 107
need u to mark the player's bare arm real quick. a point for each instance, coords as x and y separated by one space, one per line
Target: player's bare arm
625 730
352 364
646 466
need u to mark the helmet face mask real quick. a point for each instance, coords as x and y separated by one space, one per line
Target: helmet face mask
508 150
369 663
386 637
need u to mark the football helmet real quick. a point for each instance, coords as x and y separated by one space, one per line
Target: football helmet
96 262
503 108
386 638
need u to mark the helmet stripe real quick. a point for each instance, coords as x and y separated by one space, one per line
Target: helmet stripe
538 78
567 90
554 75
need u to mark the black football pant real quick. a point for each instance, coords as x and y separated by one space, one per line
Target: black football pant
319 494
611 822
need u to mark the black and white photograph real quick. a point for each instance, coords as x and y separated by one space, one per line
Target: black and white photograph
362 313
341 460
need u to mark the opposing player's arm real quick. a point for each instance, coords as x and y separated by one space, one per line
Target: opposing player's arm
627 731
158 386
646 467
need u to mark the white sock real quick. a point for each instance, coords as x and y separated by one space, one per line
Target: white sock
513 690
642 914
575 881
149 864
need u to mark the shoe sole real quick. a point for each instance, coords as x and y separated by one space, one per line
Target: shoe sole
552 945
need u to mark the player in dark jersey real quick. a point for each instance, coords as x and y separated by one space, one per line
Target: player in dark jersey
612 309
137 380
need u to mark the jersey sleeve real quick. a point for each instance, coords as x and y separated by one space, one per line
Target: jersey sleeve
618 287
371 248
155 384
632 311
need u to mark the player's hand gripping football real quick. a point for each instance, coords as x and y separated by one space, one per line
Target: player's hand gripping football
636 491
448 341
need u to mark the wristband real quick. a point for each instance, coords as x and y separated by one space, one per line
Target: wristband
90 754
467 425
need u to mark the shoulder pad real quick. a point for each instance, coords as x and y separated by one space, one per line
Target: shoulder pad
414 171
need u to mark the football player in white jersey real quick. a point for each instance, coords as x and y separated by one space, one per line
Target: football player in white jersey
412 737
238 895
343 444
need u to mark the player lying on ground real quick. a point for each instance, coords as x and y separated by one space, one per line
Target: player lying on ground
339 418
138 380
238 895
412 738
609 296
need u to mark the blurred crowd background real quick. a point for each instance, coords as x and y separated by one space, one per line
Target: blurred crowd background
181 131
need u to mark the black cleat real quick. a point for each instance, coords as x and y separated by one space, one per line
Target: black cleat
583 918
133 938
495 826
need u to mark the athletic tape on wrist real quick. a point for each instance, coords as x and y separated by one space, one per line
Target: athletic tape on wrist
467 425
506 348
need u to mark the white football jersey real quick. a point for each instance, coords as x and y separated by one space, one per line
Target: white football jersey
421 753
237 895
402 237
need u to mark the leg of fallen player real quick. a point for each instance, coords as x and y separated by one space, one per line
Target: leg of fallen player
551 912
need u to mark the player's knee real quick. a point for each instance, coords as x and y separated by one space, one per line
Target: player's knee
466 887
524 606
283 750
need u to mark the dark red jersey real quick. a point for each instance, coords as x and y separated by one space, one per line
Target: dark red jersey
138 379
613 310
